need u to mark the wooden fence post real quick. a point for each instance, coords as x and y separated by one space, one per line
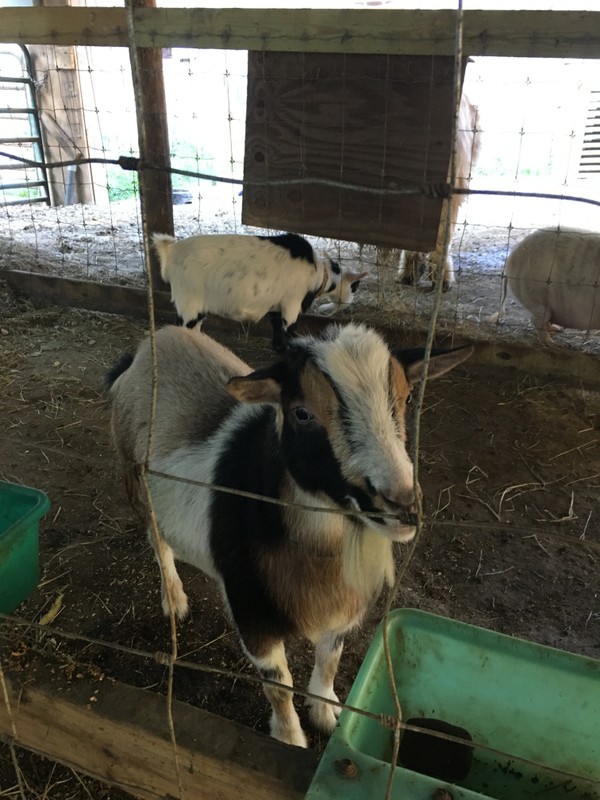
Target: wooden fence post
156 194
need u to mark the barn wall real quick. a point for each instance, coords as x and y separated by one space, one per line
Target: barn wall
378 122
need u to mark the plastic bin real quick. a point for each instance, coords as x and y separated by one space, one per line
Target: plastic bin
536 703
21 509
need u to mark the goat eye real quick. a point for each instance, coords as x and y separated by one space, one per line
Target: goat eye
302 414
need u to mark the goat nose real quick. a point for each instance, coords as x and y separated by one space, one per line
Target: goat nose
403 500
406 515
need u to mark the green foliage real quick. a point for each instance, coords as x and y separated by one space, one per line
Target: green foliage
121 184
187 155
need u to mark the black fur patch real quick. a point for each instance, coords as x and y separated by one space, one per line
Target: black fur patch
193 322
335 267
307 300
297 246
122 365
354 286
241 529
279 338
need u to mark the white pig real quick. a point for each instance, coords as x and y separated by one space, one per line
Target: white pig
555 274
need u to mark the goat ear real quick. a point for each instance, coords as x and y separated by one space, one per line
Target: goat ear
441 361
351 277
262 386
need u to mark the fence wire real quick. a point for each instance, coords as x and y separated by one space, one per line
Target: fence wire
130 164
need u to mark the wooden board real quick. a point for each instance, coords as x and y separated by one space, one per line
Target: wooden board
119 734
556 34
383 122
49 290
156 187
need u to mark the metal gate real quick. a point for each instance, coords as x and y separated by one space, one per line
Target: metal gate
20 132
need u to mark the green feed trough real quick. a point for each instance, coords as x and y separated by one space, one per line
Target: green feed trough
21 509
535 709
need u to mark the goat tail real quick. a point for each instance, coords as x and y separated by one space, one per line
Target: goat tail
123 364
162 243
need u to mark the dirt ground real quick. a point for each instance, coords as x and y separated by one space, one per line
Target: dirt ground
497 447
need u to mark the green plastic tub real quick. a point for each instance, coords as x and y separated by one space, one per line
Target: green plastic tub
21 509
537 704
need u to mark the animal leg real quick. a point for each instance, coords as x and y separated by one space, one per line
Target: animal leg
196 323
291 330
447 271
443 270
290 311
280 336
171 584
285 723
327 656
540 317
411 267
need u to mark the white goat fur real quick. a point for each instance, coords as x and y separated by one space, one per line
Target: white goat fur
325 568
244 277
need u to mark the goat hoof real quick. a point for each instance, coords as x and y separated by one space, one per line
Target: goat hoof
323 715
180 605
289 734
446 287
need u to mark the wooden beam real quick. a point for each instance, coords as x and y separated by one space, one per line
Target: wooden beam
64 26
108 297
128 301
555 34
156 188
119 735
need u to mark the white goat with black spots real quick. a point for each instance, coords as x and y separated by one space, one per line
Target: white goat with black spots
322 427
246 277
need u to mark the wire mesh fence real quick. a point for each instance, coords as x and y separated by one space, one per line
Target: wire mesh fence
511 504
533 119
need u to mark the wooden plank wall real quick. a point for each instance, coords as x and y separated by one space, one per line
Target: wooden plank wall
382 122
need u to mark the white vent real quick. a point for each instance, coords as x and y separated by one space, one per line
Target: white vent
589 164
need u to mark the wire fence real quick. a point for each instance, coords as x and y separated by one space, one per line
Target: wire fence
534 117
56 247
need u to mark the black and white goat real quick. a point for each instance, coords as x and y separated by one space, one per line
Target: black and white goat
322 427
246 277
